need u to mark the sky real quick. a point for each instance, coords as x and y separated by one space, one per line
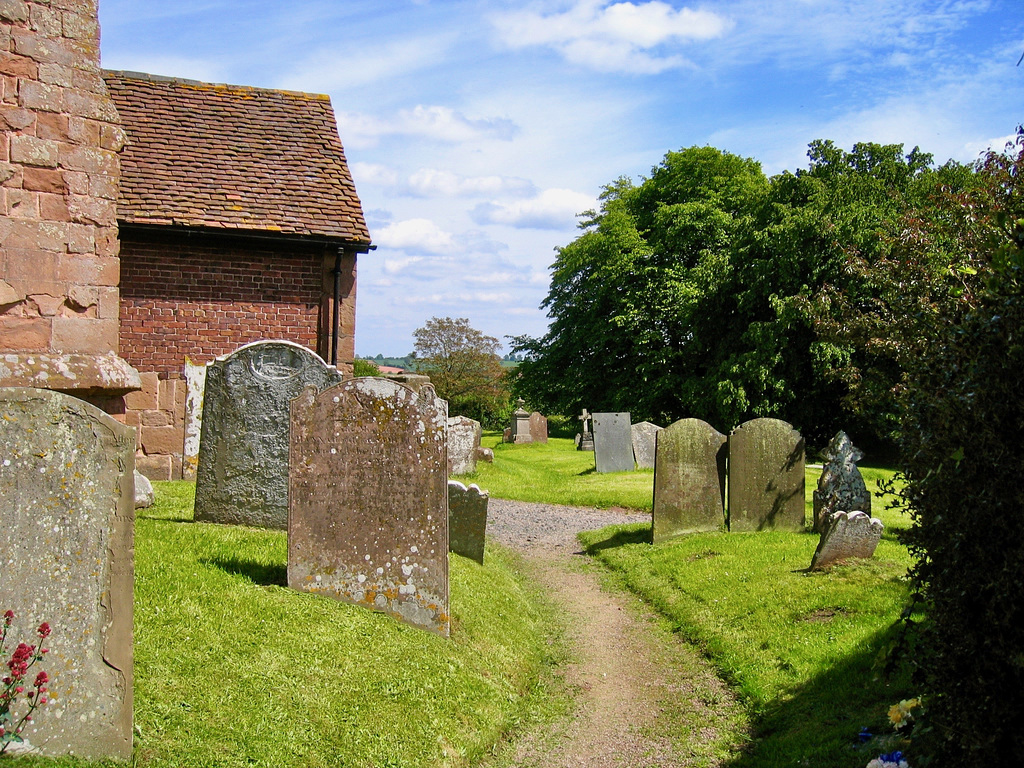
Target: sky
477 131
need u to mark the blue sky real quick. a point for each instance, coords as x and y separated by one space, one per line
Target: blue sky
477 130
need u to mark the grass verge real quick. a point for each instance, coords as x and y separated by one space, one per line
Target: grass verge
234 669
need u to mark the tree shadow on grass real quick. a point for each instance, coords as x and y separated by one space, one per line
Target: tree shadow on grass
269 575
640 534
818 722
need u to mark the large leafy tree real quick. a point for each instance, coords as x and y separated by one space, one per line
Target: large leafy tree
464 367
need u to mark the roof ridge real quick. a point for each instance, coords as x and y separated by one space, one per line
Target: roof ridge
202 84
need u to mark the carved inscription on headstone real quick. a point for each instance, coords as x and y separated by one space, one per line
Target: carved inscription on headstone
368 498
242 474
467 520
689 479
67 484
644 438
463 440
840 486
613 443
849 534
766 477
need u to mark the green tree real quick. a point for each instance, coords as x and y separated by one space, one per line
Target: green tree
464 366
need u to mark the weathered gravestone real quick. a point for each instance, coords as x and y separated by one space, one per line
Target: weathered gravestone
644 440
467 520
463 440
613 443
849 534
521 424
840 487
242 474
538 428
368 498
766 477
67 484
689 479
485 454
195 386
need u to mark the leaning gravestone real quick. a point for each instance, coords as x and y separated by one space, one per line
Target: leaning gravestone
463 439
644 440
849 534
368 498
613 443
467 520
766 477
841 486
538 428
242 473
67 482
689 479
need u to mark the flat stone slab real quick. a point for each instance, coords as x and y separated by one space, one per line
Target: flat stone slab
467 520
67 480
848 534
368 499
689 479
613 443
766 477
242 472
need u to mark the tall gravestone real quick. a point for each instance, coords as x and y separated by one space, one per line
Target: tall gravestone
644 441
689 479
463 439
368 498
67 484
242 473
613 443
538 428
766 477
467 520
840 486
585 437
521 424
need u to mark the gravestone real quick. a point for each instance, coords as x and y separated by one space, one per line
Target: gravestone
613 443
368 498
467 520
506 435
849 534
195 385
766 477
538 428
689 479
585 438
67 483
242 473
485 454
840 486
644 439
144 496
463 440
521 424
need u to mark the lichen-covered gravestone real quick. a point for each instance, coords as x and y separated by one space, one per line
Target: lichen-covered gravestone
242 474
766 477
467 520
368 498
644 440
689 479
67 483
849 534
840 487
463 439
613 443
538 428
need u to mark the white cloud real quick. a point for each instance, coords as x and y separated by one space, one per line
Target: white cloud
431 182
429 122
624 36
414 235
394 266
373 173
551 209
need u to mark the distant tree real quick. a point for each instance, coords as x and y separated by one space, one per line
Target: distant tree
464 366
362 367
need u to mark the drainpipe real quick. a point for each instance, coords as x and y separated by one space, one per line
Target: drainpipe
337 307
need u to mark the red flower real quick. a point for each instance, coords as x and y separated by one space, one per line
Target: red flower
44 630
42 679
8 617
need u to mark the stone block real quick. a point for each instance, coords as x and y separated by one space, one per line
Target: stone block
15 11
154 467
44 180
165 441
41 97
467 520
689 479
68 483
25 333
847 535
84 335
146 399
613 443
766 477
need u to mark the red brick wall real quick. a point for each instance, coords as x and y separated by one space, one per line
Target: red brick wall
183 297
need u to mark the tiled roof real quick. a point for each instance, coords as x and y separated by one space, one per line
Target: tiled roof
232 157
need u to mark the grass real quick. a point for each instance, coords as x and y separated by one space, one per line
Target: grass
234 669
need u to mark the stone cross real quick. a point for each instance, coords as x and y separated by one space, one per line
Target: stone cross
585 418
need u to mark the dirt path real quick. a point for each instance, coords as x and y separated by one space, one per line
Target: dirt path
642 698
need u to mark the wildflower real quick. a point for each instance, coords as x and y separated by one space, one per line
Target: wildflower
901 714
44 629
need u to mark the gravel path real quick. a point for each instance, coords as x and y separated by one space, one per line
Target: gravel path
634 683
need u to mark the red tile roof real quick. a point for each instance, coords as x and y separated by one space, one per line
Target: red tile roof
233 157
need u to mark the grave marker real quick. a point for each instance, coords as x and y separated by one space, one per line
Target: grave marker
766 477
689 479
538 428
840 486
644 440
242 472
467 520
585 439
463 440
613 443
849 534
368 498
67 481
